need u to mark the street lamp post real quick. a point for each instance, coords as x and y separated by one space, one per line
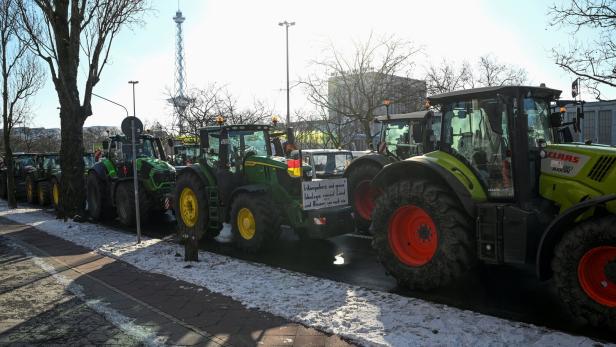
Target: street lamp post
287 25
135 181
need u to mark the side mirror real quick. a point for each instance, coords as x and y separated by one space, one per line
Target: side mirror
170 142
204 138
105 145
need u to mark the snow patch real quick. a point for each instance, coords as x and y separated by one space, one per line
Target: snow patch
146 335
365 316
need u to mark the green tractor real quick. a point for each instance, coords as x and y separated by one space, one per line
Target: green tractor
238 180
38 180
109 184
23 165
53 179
499 190
402 136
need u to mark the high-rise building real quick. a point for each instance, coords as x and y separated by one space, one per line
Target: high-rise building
352 92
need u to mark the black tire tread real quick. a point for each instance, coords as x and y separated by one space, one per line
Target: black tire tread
567 254
358 174
125 201
199 230
44 187
266 218
456 252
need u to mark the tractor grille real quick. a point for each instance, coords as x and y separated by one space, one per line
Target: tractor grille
161 177
601 168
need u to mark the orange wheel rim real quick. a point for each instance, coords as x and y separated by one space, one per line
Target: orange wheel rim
413 236
592 275
364 199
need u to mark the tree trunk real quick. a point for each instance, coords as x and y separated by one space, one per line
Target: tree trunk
72 197
365 124
10 169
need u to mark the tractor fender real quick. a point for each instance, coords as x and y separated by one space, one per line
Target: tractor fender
558 227
421 168
202 171
100 170
368 159
250 188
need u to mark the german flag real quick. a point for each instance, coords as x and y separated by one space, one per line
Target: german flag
294 167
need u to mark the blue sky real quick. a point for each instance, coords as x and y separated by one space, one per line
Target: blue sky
238 43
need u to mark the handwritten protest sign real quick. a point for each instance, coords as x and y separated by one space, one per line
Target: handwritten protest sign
324 193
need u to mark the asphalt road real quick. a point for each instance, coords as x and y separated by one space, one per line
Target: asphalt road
501 291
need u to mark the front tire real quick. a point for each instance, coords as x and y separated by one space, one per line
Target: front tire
421 236
43 193
30 190
584 268
253 221
55 194
362 194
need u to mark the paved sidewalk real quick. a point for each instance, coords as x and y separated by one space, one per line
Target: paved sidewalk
151 307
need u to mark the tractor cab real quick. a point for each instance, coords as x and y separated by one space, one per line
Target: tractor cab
119 148
408 134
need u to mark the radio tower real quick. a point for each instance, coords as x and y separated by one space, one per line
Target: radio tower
179 101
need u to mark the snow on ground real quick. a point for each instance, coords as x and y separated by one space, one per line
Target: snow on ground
364 316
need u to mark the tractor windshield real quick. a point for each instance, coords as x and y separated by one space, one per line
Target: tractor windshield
144 148
247 142
538 112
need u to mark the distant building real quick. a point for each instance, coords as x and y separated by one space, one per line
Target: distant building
599 123
352 90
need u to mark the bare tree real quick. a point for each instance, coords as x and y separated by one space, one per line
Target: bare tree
487 72
318 130
448 76
355 86
491 73
22 77
62 32
593 60
213 101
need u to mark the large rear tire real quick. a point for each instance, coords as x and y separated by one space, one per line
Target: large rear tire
30 190
125 204
584 268
99 206
421 236
191 208
362 194
253 221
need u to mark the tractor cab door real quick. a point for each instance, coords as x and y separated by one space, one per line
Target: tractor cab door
476 131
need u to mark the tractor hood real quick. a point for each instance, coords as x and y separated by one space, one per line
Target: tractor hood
156 164
272 161
578 171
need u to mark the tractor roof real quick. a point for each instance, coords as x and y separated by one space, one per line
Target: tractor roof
325 150
239 127
488 91
411 115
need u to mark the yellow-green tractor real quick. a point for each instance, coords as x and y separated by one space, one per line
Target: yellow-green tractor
500 190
